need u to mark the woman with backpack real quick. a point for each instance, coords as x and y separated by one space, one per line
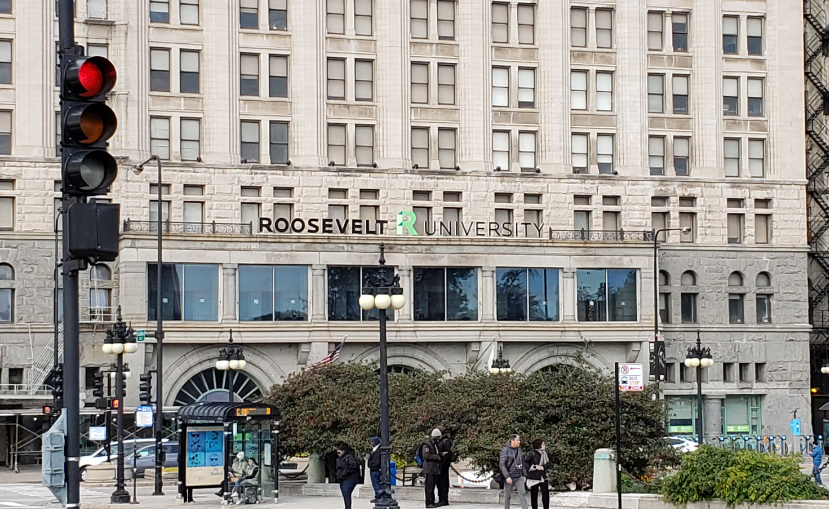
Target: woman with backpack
348 473
537 464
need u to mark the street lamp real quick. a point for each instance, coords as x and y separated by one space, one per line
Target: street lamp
699 358
825 368
658 350
159 335
500 365
382 294
231 358
120 339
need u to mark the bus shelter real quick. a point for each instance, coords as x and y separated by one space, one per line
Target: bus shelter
211 434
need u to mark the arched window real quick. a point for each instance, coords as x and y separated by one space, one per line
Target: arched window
689 278
735 279
100 273
763 299
736 301
6 272
664 278
763 280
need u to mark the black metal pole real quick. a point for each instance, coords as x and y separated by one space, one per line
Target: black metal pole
618 439
108 422
159 338
228 493
386 499
120 495
699 404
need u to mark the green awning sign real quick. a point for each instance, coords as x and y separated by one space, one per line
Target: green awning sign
680 429
738 428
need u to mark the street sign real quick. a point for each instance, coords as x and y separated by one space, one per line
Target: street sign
98 433
631 378
144 416
140 335
794 425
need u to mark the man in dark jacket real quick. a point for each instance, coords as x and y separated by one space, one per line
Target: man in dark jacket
374 467
511 464
431 465
445 451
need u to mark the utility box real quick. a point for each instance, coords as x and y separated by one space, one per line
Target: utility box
604 471
52 449
94 231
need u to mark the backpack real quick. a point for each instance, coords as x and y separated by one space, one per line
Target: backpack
418 457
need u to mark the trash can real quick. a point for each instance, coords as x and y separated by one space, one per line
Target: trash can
393 472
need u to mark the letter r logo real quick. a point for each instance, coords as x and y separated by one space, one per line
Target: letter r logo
406 219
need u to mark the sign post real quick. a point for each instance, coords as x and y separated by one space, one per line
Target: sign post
629 378
140 335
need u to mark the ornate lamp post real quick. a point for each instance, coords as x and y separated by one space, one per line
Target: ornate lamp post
699 358
381 294
500 364
231 358
120 339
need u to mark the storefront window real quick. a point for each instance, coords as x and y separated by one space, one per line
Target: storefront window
345 285
189 292
445 294
742 415
607 295
273 293
524 294
681 416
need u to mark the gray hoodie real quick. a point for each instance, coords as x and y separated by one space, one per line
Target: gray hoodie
511 462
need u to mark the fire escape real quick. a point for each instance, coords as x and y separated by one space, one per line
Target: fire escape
816 42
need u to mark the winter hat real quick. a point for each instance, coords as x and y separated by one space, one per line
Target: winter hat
436 432
240 456
375 440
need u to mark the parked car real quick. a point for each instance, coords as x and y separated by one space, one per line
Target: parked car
100 455
144 458
682 445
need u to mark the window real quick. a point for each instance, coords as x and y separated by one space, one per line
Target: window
345 285
527 294
335 10
578 27
6 6
278 14
159 11
165 213
680 94
278 81
446 148
189 76
604 153
250 75
688 278
578 156
419 19
364 80
500 150
369 212
665 307
250 141
420 147
754 33
578 90
251 192
189 12
756 158
97 50
189 292
500 86
611 221
446 20
336 78
452 196
160 137
688 220
729 372
526 24
679 27
420 83
336 144
526 88
283 211
503 216
503 197
5 62
500 22
582 220
421 195
730 34
160 70
762 228
688 303
6 274
452 215
5 133
762 204
283 192
731 153
362 17
581 199
364 140
279 142
446 84
735 228
338 212
731 96
656 155
273 293
656 93
190 139
659 221
249 14
526 150
535 218
763 302
15 376
194 215
607 295
604 28
96 9
755 97
659 201
760 372
369 194
735 308
604 91
655 24
682 156
445 294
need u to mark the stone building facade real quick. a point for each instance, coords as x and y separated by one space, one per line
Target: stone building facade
522 152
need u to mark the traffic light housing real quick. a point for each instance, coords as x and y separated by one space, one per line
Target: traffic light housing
57 385
114 403
48 409
145 387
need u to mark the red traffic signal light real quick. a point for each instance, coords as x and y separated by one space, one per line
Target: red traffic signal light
88 77
47 410
114 403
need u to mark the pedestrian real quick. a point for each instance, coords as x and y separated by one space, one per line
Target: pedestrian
431 465
374 467
249 476
511 464
348 473
817 459
445 451
538 463
238 466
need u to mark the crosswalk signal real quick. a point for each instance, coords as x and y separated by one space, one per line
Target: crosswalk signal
114 403
57 385
145 388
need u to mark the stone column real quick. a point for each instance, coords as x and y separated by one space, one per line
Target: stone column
568 293
229 292
316 470
488 294
405 313
712 408
318 292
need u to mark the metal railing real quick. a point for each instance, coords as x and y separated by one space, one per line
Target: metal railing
25 390
213 228
602 235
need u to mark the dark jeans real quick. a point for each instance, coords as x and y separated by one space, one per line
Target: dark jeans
816 471
545 495
375 482
443 485
430 488
347 487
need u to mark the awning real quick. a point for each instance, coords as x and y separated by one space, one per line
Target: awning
218 412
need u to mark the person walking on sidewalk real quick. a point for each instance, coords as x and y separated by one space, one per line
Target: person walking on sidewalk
348 473
511 464
538 463
431 465
445 451
374 467
817 459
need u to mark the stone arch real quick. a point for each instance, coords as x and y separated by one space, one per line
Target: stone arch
552 354
413 356
259 368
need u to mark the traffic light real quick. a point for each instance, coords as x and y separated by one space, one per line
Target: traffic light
114 403
57 385
145 387
48 409
98 390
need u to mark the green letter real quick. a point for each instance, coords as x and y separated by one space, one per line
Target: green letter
407 223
